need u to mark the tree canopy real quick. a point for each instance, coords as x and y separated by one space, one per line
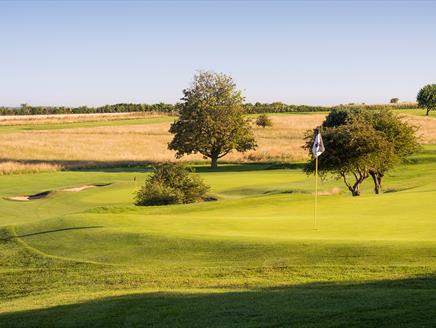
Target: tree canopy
382 140
211 119
351 151
426 97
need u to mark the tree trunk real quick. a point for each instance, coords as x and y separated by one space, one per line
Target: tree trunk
214 162
355 190
355 193
377 178
428 111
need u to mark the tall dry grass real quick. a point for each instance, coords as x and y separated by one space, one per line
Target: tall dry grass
104 145
72 118
18 167
426 127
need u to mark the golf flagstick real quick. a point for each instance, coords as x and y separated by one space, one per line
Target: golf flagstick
317 150
316 193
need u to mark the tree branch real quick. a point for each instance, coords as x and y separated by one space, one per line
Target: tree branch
224 154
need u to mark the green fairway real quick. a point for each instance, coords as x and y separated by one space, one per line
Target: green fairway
252 258
86 124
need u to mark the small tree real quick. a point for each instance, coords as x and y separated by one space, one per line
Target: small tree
394 100
426 98
263 120
351 150
211 119
171 184
401 135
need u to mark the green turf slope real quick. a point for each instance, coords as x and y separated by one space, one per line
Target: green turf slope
250 259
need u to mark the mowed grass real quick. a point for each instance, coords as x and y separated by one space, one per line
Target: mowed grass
60 125
250 259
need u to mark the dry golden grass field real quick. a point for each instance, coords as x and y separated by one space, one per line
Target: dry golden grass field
70 118
83 141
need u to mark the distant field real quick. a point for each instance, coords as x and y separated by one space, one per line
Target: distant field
137 141
54 122
53 145
417 112
251 258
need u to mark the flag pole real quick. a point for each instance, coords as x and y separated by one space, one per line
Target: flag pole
316 193
317 150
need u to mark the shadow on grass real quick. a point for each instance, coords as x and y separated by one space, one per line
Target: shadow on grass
389 303
250 167
421 160
145 166
49 231
391 190
92 166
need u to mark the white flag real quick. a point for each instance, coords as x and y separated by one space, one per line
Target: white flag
318 145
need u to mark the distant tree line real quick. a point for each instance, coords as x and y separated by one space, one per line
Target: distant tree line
249 108
115 108
278 107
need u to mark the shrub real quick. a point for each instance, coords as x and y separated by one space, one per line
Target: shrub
157 194
263 121
171 184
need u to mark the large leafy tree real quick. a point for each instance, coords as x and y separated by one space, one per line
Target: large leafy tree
426 97
351 151
211 119
400 134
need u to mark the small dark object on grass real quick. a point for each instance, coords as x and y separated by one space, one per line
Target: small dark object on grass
263 121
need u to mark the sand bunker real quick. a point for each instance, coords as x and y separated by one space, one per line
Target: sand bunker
331 192
84 187
31 197
47 193
77 189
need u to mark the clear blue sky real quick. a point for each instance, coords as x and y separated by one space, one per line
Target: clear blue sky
93 53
